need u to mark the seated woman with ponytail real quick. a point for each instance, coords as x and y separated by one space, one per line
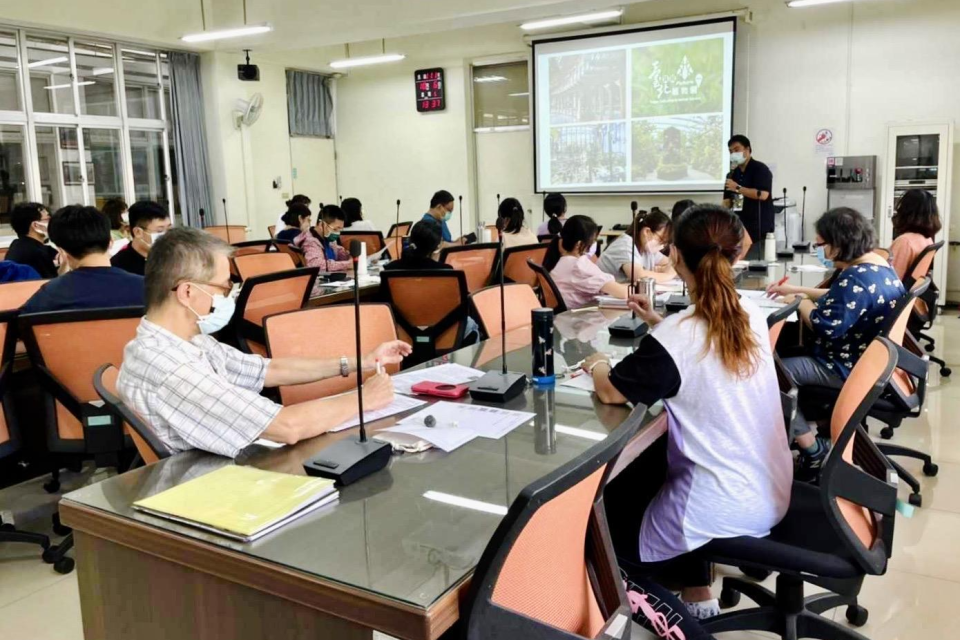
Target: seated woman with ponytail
639 250
728 465
579 280
510 224
555 208
423 243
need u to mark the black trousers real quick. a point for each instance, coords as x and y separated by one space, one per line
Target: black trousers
626 499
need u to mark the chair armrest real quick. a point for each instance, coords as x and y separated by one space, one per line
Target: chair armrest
915 365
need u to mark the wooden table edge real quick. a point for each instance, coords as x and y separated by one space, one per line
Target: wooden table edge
355 605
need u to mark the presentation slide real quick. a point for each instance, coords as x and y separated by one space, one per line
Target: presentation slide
646 110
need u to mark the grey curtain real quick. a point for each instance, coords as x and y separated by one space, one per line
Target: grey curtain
190 138
309 104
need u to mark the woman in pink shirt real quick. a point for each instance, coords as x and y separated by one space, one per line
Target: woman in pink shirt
577 277
915 224
320 244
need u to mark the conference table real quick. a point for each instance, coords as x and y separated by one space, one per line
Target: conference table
386 558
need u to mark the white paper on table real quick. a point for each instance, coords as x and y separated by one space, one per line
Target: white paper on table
486 422
449 373
807 268
752 294
760 299
409 436
584 381
399 405
376 256
671 286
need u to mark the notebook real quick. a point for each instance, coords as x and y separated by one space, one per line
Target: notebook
242 503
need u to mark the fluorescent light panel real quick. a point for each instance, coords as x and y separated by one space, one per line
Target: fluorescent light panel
223 34
466 503
520 95
596 16
368 60
489 79
580 433
796 4
68 85
48 61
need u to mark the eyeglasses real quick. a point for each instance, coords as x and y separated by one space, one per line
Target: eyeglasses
228 290
820 244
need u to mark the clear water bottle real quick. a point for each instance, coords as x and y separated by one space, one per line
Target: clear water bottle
738 202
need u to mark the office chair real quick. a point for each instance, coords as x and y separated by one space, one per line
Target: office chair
549 571
266 295
373 239
546 238
476 261
400 230
777 319
294 334
549 292
926 309
394 247
833 535
515 263
149 446
272 229
259 264
519 301
431 309
250 247
284 246
228 233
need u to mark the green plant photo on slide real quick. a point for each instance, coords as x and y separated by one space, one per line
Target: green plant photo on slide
678 78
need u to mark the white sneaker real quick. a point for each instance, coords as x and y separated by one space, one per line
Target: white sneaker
703 610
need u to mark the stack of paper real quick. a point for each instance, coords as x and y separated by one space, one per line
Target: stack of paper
399 405
449 373
760 299
242 503
455 424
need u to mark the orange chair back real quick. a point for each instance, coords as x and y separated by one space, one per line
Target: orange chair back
228 233
251 249
295 334
268 295
295 254
3 253
519 300
260 264
148 446
430 307
515 266
14 294
548 289
272 230
6 356
373 240
554 537
399 230
476 261
72 350
394 247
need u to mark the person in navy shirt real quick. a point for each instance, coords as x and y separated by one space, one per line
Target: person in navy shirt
441 210
844 319
82 235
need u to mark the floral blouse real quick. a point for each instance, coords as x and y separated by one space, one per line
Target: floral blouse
329 256
851 314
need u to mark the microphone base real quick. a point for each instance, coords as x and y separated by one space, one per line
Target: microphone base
347 461
801 247
627 326
497 387
677 303
785 253
757 266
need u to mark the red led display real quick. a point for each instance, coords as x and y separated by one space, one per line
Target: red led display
430 90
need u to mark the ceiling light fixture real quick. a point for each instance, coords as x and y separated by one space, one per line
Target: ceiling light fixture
523 94
466 503
42 63
68 85
796 4
223 34
482 79
583 18
102 71
368 60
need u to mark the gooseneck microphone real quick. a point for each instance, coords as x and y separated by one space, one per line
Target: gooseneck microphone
631 326
396 229
460 206
226 220
203 222
786 252
502 386
803 245
346 461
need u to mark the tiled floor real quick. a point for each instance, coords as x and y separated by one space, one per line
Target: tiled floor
914 599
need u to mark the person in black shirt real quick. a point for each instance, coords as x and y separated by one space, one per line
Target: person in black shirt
148 222
297 218
753 180
29 221
425 238
83 237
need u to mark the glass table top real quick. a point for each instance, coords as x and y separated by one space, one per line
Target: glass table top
385 535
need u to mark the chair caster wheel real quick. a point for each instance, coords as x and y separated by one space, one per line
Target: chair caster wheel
931 469
928 348
49 555
756 574
916 499
52 487
945 372
64 565
729 598
886 433
857 615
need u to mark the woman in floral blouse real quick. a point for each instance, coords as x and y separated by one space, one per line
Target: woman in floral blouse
844 319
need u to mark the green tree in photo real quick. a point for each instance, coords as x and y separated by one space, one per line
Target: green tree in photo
706 145
678 78
645 149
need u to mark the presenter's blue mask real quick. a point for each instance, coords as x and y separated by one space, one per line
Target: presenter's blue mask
822 256
447 216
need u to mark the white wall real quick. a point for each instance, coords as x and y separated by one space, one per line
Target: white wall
853 68
314 169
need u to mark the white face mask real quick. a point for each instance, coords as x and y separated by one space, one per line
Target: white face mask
737 158
220 312
125 218
41 228
156 236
